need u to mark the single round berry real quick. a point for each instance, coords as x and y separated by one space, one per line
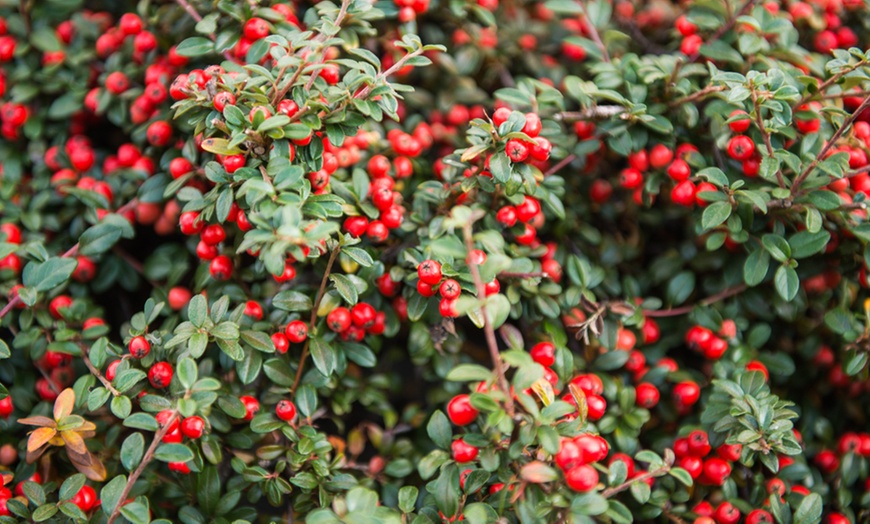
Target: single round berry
460 411
285 410
139 347
160 374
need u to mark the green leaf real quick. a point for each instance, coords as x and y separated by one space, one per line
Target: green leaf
786 282
469 373
111 493
360 256
345 288
195 46
777 247
71 486
43 276
756 266
187 372
100 237
323 355
715 214
132 451
292 301
810 510
408 498
680 287
136 513
173 453
500 167
804 243
439 430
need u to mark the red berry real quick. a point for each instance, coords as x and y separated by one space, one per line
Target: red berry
716 471
544 353
741 124
221 268
160 374
741 148
139 347
463 452
684 193
582 478
252 406
686 393
255 29
6 407
429 272
450 289
297 331
338 319
193 427
517 150
647 395
285 410
460 411
85 498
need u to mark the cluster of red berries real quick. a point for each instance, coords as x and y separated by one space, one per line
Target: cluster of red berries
85 498
176 429
431 281
351 324
693 454
710 344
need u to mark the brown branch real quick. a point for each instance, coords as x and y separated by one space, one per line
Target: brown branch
559 165
828 83
149 456
712 299
609 492
842 129
96 372
591 113
488 330
316 41
311 322
71 252
593 32
536 274
695 96
765 135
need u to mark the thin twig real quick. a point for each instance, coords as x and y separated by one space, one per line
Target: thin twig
593 32
488 330
149 456
712 299
765 135
316 41
559 165
609 492
710 89
536 274
96 372
591 113
821 156
828 83
311 322
193 13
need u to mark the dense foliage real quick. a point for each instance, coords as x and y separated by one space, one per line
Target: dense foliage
412 261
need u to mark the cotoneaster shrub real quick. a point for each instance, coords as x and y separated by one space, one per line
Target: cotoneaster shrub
563 261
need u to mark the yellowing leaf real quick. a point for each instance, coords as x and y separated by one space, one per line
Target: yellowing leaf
64 404
544 391
580 399
88 464
39 438
74 441
37 421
